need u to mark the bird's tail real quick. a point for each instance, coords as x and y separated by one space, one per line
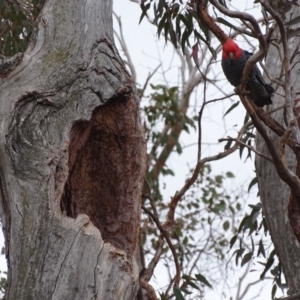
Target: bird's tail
269 89
261 102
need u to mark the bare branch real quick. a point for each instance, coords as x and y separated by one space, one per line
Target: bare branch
286 59
150 75
199 122
257 32
248 146
150 198
280 83
284 139
241 279
277 128
178 195
170 217
296 52
208 20
282 170
124 48
148 272
251 284
167 238
150 291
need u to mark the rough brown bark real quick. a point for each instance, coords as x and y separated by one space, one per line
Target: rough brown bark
72 159
274 193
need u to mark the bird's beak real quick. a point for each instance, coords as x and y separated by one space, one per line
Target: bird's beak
231 55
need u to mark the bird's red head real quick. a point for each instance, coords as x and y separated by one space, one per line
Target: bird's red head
231 50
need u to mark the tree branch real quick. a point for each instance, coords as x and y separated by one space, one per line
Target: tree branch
122 42
248 146
150 75
282 170
284 139
178 195
169 242
259 55
208 20
286 59
199 122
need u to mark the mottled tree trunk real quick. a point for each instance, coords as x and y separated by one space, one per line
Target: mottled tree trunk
72 157
274 193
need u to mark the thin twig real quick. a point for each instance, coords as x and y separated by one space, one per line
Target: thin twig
150 290
284 139
207 19
148 272
282 170
178 195
169 242
248 146
150 198
150 75
175 199
277 128
200 118
259 55
268 75
295 53
286 59
122 42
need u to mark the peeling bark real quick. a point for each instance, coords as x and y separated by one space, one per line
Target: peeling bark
72 160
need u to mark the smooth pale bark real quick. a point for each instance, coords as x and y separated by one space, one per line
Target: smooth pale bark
274 193
72 159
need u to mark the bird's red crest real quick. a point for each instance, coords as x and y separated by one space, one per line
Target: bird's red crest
231 47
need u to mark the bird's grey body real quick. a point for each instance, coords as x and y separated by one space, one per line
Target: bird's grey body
259 91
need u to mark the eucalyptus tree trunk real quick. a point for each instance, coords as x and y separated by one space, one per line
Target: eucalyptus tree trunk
72 158
274 193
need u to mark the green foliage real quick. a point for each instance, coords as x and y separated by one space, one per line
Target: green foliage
178 22
202 279
204 215
203 225
193 282
17 20
253 224
178 294
3 276
252 183
247 138
232 107
162 109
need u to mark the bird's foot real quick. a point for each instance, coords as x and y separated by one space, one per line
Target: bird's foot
241 91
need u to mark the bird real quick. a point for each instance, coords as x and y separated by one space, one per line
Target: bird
233 62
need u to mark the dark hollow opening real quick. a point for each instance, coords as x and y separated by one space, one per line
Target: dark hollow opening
100 163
